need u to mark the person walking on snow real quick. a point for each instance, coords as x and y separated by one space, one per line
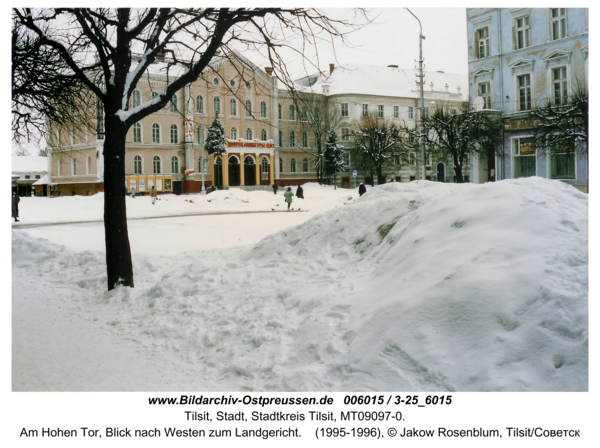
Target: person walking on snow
288 197
362 189
300 192
133 192
274 188
153 194
15 206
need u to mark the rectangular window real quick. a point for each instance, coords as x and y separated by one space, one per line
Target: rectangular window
522 34
559 85
524 157
484 92
396 111
380 110
411 112
558 23
345 134
562 162
365 110
524 86
344 109
346 156
483 43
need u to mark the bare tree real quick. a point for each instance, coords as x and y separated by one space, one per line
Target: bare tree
378 142
98 45
457 134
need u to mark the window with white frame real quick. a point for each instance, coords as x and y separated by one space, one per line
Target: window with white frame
411 158
265 165
280 165
562 161
156 165
280 139
559 86
524 157
305 139
136 99
200 104
305 165
279 112
248 134
217 105
74 166
175 165
155 133
346 156
173 104
380 110
524 91
263 109
484 91
137 133
232 107
345 110
522 32
411 112
248 108
304 113
365 110
292 112
292 138
558 23
345 134
233 133
483 42
137 164
200 134
396 111
293 165
174 134
263 135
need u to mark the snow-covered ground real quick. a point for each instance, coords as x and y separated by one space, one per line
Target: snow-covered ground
417 286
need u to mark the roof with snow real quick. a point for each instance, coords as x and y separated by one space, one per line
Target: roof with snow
29 164
387 81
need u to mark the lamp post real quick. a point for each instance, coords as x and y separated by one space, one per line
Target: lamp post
422 107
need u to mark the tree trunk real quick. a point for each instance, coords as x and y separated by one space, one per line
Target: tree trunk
118 253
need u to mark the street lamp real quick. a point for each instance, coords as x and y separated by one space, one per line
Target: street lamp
420 75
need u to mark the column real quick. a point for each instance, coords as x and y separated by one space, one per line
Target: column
257 170
225 159
242 169
272 170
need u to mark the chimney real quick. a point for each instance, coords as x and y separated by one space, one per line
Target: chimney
331 67
269 71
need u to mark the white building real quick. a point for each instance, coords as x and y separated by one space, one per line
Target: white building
26 171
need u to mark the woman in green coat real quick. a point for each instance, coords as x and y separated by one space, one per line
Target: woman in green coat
288 197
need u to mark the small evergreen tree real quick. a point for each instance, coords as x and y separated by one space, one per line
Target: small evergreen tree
216 143
333 156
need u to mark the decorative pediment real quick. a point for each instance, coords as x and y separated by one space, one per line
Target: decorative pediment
482 71
557 54
521 63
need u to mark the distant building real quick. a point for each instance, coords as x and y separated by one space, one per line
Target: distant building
390 92
26 171
520 59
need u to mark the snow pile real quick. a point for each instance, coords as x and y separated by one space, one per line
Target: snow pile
414 286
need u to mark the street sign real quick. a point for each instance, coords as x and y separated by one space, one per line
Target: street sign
354 173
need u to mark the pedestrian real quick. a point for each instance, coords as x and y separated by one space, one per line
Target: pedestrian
274 188
133 192
288 197
153 194
15 205
300 192
362 189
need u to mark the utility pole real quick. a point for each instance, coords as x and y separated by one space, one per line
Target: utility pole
422 107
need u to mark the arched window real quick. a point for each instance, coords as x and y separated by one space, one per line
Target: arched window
175 165
279 112
137 133
248 134
304 113
74 166
293 165
174 134
156 165
155 133
305 165
136 99
174 103
232 106
233 133
265 165
200 135
200 104
263 109
248 108
292 112
137 164
263 135
305 139
217 103
280 138
292 138
280 165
